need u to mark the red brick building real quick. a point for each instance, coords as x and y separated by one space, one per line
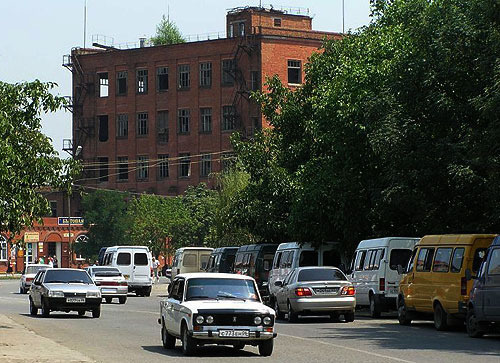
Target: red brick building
158 119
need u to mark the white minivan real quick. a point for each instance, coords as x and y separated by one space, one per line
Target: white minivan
374 271
190 259
293 254
135 263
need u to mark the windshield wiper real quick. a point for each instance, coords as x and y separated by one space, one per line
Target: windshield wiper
200 297
55 282
231 297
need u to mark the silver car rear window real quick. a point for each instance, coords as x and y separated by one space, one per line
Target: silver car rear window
323 274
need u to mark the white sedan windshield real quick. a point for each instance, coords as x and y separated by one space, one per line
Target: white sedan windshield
216 288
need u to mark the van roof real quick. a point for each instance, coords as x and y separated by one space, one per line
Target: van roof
222 249
179 250
305 245
383 242
453 239
128 247
210 275
256 247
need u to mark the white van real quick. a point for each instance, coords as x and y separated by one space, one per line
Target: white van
135 263
374 271
291 255
190 259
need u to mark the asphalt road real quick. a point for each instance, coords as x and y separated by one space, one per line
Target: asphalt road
130 333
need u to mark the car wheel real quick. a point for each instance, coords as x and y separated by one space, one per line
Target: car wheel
22 291
279 314
33 308
293 317
122 299
167 339
147 292
440 318
266 347
473 325
334 317
239 346
188 343
108 300
45 308
81 312
374 307
403 316
96 312
349 317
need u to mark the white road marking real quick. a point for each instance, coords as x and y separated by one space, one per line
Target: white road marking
347 348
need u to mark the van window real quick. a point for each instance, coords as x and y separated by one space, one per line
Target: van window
360 260
289 260
178 290
268 260
401 257
331 258
176 261
308 258
189 260
140 259
211 262
204 261
378 258
368 259
478 258
458 257
411 262
494 266
442 260
277 260
238 260
424 260
284 259
123 259
353 262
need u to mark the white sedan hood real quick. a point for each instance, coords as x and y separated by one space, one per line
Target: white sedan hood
226 304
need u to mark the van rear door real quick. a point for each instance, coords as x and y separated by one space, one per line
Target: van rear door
491 286
399 253
142 268
124 263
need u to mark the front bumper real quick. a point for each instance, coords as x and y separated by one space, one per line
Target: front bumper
212 333
60 304
113 290
345 303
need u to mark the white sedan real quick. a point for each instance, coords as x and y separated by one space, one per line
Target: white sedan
28 275
216 308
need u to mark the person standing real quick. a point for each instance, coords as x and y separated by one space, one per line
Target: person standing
156 263
56 262
9 266
51 263
42 260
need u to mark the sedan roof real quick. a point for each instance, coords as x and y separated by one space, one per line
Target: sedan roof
206 275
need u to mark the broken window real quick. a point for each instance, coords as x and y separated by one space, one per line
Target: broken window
121 83
162 126
103 128
162 78
142 81
103 84
184 165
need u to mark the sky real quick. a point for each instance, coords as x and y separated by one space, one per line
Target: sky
37 33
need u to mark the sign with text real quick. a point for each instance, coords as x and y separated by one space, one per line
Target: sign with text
30 237
64 221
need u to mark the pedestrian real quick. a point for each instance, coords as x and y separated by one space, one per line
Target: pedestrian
51 263
156 263
56 262
42 260
9 267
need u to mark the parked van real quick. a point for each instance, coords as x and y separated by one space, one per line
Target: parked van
374 271
435 282
483 312
291 255
256 261
222 260
135 264
190 259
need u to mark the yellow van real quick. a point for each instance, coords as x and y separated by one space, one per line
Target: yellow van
434 281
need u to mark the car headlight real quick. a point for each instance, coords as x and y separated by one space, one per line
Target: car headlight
257 320
210 319
200 319
93 294
267 320
53 293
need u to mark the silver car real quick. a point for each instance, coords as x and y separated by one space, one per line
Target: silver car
29 274
110 281
315 291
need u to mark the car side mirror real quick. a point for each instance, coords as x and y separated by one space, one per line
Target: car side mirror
400 269
38 283
278 283
468 275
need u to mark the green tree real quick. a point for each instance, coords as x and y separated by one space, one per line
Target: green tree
167 33
28 160
200 202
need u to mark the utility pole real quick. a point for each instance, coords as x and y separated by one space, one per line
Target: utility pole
84 23
343 17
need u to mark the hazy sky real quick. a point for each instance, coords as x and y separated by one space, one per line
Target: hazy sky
35 34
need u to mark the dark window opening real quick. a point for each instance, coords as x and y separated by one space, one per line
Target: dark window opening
103 169
206 165
142 124
123 259
184 79
142 168
121 83
399 257
277 22
228 118
53 208
123 168
184 165
308 258
162 166
228 69
122 126
183 117
458 257
162 126
103 128
140 259
162 78
442 260
294 72
478 258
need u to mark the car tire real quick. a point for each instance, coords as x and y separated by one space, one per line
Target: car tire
22 291
122 299
96 312
33 308
374 307
440 318
45 308
293 317
279 314
266 347
403 316
147 292
108 300
81 312
167 340
239 346
188 343
334 317
473 325
349 317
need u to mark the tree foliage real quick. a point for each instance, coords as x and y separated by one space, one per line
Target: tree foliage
28 160
167 33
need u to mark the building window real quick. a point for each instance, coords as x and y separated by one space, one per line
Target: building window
3 248
228 72
122 126
103 128
231 30
162 166
227 160
294 72
122 168
206 165
121 83
205 119
183 121
103 169
142 81
142 123
162 78
53 208
162 126
103 84
254 80
205 74
184 81
184 165
228 118
142 168
277 22
241 29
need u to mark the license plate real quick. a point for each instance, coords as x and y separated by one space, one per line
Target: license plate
75 300
108 290
234 333
326 291
393 290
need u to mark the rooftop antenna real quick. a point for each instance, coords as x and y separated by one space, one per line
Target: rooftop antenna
84 22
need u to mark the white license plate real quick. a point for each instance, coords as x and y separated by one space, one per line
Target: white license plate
75 300
234 333
393 290
108 291
326 291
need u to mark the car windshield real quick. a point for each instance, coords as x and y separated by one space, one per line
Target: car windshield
220 288
102 271
67 276
34 269
321 274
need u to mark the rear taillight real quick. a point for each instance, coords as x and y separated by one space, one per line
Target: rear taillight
463 286
348 291
29 279
381 284
123 283
303 291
